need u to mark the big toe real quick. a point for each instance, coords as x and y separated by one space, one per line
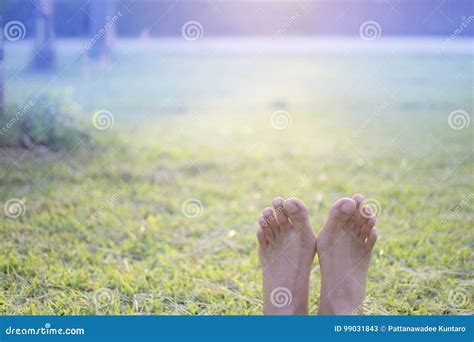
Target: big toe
341 211
297 212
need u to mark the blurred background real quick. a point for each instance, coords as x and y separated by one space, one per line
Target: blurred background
140 140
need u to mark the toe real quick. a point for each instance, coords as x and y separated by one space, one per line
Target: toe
269 217
358 198
266 229
341 212
262 240
366 229
371 240
359 220
297 212
282 218
366 212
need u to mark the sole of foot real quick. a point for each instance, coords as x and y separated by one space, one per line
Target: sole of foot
344 250
287 245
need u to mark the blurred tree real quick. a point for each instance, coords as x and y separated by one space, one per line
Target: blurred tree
2 103
102 26
44 42
2 81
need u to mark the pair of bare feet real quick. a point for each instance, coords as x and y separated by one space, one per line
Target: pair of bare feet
288 244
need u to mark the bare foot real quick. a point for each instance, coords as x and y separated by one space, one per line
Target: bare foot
287 246
344 250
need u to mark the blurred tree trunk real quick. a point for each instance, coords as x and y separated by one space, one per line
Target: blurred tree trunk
102 28
44 45
2 98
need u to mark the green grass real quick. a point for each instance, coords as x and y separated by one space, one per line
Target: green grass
198 126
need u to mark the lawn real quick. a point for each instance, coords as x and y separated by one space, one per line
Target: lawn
165 223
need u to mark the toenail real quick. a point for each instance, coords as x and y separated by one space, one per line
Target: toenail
267 212
277 202
291 207
347 207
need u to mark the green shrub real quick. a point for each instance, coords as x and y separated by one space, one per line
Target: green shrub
52 121
9 134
